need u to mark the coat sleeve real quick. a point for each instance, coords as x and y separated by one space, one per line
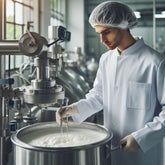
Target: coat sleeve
154 131
94 100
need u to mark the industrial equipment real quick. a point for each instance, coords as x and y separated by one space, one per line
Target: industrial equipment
43 90
92 153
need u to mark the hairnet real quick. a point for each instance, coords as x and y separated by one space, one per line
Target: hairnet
113 14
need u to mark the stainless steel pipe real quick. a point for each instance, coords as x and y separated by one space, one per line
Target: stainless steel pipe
9 48
2 113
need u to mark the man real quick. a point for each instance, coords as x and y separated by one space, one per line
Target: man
129 86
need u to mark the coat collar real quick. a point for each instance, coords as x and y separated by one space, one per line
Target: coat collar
133 48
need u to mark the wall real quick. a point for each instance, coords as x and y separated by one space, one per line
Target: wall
75 23
146 33
74 20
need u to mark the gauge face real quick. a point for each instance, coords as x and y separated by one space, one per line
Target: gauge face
31 45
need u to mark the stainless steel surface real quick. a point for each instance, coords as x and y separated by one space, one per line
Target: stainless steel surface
40 83
43 90
2 150
91 154
42 65
74 83
2 67
45 96
29 48
2 117
9 48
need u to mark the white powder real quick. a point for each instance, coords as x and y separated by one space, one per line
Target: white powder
75 137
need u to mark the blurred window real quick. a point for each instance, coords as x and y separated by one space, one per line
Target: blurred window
17 16
57 12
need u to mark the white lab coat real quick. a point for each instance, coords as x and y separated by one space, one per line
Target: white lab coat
131 89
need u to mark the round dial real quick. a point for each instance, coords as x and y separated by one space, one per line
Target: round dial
31 44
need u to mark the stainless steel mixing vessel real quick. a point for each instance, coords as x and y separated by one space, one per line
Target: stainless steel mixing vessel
97 153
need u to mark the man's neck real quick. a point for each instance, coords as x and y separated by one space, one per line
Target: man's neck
127 41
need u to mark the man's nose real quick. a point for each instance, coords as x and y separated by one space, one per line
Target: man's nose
102 38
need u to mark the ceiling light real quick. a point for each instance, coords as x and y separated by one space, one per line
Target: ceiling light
162 15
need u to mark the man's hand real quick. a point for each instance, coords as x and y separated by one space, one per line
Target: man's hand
64 112
129 144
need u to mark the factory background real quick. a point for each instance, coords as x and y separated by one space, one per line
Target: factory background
82 53
38 15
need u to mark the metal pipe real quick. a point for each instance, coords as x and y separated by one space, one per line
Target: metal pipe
2 153
43 73
42 67
2 139
3 118
2 67
154 24
9 48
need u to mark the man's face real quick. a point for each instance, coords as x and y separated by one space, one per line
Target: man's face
110 37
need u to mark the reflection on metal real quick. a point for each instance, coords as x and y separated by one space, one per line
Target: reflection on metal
75 83
95 154
7 48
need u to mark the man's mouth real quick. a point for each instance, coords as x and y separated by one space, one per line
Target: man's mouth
108 44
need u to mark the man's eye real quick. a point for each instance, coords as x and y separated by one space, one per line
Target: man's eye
106 32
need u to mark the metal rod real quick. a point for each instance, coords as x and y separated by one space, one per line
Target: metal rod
53 42
3 146
154 24
2 153
9 65
2 117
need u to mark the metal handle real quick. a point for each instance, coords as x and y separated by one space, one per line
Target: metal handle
119 147
115 148
109 149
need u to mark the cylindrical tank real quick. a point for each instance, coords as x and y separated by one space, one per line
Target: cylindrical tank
94 153
75 84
